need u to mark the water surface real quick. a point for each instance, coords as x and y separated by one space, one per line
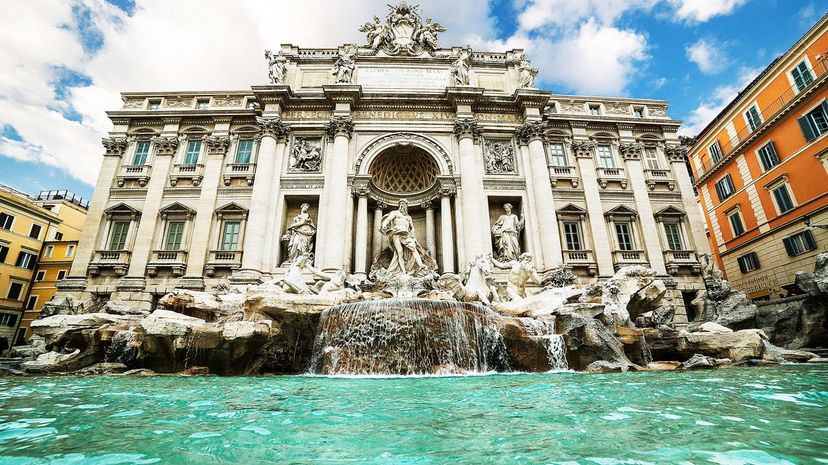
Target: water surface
737 416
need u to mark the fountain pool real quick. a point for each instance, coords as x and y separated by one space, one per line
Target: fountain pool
772 415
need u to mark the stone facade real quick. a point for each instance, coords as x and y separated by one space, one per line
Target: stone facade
198 188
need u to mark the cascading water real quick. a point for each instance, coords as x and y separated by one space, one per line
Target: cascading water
555 346
408 337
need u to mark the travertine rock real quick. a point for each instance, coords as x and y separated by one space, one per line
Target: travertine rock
699 361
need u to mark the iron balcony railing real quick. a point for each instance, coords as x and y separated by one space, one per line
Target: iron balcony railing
64 195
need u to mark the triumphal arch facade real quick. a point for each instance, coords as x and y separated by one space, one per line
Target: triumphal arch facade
202 188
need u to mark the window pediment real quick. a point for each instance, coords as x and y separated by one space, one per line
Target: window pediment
621 211
122 210
670 212
177 209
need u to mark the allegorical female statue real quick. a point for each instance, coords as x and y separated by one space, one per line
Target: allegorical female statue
506 232
299 234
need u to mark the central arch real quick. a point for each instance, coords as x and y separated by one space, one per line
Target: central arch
403 169
399 140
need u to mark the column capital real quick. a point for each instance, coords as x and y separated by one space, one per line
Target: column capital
272 126
217 145
340 126
631 150
165 145
583 148
427 205
676 153
532 130
466 127
114 146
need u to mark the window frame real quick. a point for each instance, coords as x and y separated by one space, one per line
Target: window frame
145 155
578 235
793 80
750 258
630 235
178 240
4 252
738 214
39 231
70 251
753 125
773 188
9 219
678 233
58 236
61 275
223 235
8 320
202 103
561 156
610 157
40 275
717 154
651 149
48 251
761 157
789 241
29 305
20 293
188 152
26 260
720 192
112 231
249 154
154 104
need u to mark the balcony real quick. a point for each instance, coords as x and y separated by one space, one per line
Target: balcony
767 115
192 172
582 259
223 259
557 173
675 260
173 260
115 260
623 258
607 175
246 171
137 173
653 177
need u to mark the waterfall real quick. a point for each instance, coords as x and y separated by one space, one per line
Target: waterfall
408 337
544 330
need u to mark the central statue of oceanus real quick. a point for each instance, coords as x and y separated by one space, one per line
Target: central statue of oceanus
404 255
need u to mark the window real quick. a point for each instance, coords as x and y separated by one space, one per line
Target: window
154 105
202 103
48 252
799 243
7 319
193 151
230 235
58 236
814 123
250 105
141 153
557 156
4 250
736 224
245 151
595 110
768 156
175 231
782 197
651 155
638 112
673 233
6 221
624 234
41 275
118 235
748 262
605 159
15 291
715 152
802 75
61 275
752 117
572 234
26 260
70 250
724 187
30 304
34 232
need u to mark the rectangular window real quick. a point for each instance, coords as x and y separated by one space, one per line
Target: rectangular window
230 235
250 105
245 151
724 187
41 275
34 232
48 252
813 124
673 233
624 234
174 233
154 104
783 199
802 75
736 223
141 153
651 155
4 251
70 250
6 221
572 233
58 236
26 260
768 156
61 275
557 156
15 291
31 303
638 112
193 151
753 118
605 159
748 262
799 243
118 235
7 319
595 110
715 152
201 104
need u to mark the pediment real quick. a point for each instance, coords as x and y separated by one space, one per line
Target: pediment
572 209
670 211
621 210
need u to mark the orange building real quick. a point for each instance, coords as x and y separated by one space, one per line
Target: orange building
761 171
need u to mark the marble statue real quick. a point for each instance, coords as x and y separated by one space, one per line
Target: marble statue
305 157
499 157
427 34
277 67
343 69
376 33
526 73
460 69
506 232
293 282
479 286
403 33
399 228
521 271
299 235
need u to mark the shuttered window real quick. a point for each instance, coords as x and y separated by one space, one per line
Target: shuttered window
768 156
748 262
753 118
783 199
724 187
815 123
624 234
799 243
230 235
715 152
572 233
802 75
117 238
175 231
673 233
736 223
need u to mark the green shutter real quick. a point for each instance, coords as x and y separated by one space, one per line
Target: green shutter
175 231
809 239
807 128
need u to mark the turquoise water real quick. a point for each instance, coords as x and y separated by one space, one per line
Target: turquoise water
736 416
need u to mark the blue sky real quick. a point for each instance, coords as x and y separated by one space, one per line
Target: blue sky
65 62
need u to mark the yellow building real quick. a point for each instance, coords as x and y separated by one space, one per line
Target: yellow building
56 255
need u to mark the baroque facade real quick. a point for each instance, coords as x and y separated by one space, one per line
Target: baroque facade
201 188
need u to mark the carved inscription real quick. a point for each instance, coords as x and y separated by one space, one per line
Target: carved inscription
403 78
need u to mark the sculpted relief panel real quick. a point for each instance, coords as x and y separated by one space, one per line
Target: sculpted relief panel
499 156
306 155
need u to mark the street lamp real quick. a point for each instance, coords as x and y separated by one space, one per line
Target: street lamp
807 220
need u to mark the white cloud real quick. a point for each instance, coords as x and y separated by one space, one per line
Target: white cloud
707 56
703 10
704 113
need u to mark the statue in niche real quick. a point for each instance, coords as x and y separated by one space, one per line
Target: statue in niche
343 69
506 232
526 74
404 254
500 158
299 235
460 69
521 271
305 156
277 67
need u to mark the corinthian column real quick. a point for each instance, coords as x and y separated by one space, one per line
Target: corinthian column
446 236
474 208
361 242
336 193
376 246
532 134
271 129
431 239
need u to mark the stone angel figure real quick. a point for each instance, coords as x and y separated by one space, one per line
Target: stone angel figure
343 69
277 67
460 69
526 73
427 34
376 32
